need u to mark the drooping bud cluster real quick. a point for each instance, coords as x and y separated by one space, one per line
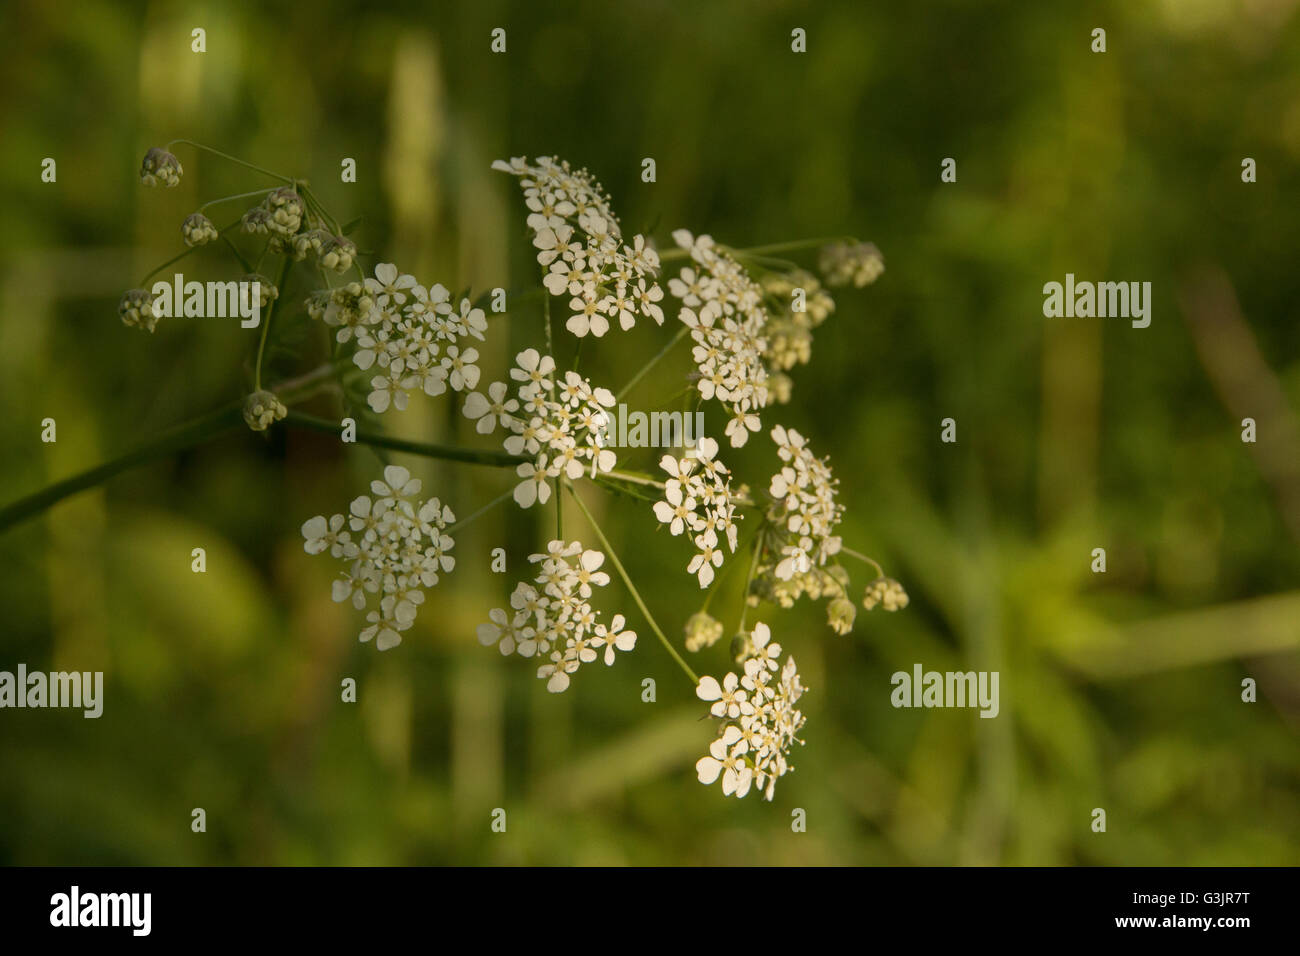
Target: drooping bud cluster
857 262
198 230
262 409
160 168
136 309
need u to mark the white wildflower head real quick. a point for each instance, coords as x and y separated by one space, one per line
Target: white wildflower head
604 279
760 722
552 618
393 547
724 310
804 512
562 435
409 335
698 502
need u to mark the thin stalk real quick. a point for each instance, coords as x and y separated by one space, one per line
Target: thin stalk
255 192
185 435
636 595
862 557
266 322
681 333
486 508
233 159
473 456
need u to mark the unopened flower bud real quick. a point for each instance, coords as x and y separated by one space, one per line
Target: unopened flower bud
257 220
702 631
886 592
136 309
262 409
197 229
338 254
265 290
840 614
160 168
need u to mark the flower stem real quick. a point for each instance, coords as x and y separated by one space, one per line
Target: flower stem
862 557
473 456
681 333
636 595
256 192
233 159
796 245
266 322
185 435
486 508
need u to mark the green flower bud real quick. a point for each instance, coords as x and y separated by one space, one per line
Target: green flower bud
160 167
136 309
702 631
262 409
197 229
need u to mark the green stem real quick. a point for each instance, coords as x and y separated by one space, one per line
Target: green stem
256 192
486 508
266 322
749 579
238 255
233 159
796 245
494 459
181 255
636 595
862 557
185 435
681 333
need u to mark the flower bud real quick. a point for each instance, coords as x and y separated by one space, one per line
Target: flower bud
160 167
840 614
136 309
702 631
338 254
286 210
197 229
266 291
886 592
262 409
257 220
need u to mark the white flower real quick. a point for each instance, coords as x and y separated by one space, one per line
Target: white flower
394 547
492 409
580 245
553 616
613 637
761 720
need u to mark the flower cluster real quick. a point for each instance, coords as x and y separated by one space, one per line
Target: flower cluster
393 546
411 335
160 168
561 424
262 409
790 324
698 498
581 246
760 719
198 230
804 505
724 310
886 592
136 309
858 262
552 618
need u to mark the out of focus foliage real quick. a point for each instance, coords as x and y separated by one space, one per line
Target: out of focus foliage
1119 691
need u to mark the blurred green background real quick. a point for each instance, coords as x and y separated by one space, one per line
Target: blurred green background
1119 691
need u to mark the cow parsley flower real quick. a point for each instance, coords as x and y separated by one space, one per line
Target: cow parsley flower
564 434
394 546
410 335
803 506
552 619
724 310
698 498
760 720
580 244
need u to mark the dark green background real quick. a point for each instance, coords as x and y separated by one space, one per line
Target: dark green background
1119 691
